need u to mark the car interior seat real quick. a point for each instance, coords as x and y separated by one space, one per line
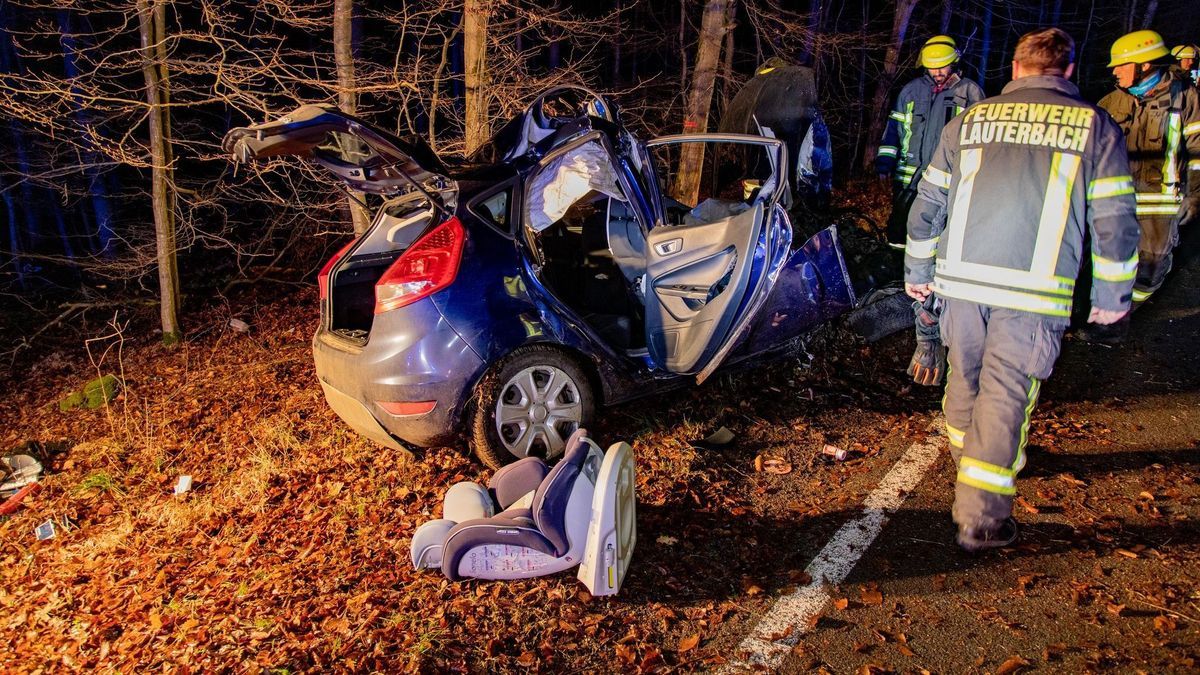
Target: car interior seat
532 520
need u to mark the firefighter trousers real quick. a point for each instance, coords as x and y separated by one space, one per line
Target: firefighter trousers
902 203
998 359
1160 235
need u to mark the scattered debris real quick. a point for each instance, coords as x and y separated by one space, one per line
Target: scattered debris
834 452
183 485
17 471
10 505
771 464
45 531
239 326
666 540
721 438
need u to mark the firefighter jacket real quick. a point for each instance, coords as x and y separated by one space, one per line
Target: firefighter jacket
916 123
1002 208
1162 134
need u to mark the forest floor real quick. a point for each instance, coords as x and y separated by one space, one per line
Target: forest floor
291 551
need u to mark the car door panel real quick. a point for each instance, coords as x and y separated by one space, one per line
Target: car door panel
698 287
704 282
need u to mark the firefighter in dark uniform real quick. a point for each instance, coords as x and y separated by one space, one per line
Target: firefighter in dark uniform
1188 57
922 110
997 232
1159 112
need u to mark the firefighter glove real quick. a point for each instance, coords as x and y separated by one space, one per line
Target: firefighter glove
928 363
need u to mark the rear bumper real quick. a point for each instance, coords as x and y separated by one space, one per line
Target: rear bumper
413 355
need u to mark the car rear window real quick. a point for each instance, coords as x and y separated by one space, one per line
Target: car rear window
495 209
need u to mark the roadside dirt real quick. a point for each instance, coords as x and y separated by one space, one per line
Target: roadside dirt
291 551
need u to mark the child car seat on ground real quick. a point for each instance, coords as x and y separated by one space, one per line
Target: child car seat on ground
532 520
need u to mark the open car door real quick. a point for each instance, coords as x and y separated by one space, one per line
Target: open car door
365 158
709 275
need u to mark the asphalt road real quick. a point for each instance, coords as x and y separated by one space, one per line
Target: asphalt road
1107 572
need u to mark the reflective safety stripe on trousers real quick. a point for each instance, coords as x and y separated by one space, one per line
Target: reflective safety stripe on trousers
993 477
1036 289
1158 203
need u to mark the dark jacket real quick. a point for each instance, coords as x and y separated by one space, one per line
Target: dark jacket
1162 135
1005 202
916 123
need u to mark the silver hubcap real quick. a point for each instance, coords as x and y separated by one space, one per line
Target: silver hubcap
537 410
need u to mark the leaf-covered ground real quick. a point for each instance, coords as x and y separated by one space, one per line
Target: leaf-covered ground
291 552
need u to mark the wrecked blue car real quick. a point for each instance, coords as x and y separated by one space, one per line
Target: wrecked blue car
563 266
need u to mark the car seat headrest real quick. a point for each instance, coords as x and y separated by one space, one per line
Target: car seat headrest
550 501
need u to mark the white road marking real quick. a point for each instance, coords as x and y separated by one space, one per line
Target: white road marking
781 627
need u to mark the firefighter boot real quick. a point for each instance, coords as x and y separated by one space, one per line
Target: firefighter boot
995 535
928 363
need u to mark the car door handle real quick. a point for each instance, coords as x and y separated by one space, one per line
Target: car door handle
669 247
688 291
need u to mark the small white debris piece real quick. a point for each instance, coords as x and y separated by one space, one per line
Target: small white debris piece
184 484
45 531
667 540
239 326
17 471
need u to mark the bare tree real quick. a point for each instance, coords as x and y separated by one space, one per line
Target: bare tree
476 14
713 27
343 56
152 30
891 65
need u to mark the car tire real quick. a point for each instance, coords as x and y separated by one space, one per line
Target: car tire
523 382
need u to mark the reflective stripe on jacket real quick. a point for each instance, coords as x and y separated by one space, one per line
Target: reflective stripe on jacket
1162 135
1001 210
916 123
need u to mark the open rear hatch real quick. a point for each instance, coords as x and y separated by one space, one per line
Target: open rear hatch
417 194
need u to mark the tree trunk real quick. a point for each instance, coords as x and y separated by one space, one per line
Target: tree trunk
713 27
152 28
727 58
14 235
891 63
476 15
816 11
986 46
343 57
97 185
615 77
1151 10
683 61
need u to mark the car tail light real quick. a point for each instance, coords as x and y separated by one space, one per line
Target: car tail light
428 266
323 275
406 408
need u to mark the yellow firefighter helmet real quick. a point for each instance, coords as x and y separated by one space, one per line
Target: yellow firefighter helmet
939 51
1140 46
1181 52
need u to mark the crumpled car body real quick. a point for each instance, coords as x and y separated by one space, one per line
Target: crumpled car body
555 241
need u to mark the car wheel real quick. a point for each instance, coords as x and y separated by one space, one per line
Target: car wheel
528 406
